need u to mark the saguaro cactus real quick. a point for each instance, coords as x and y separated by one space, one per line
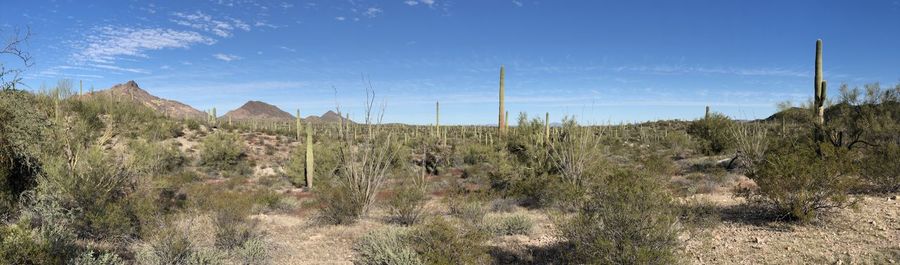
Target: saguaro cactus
310 161
299 126
547 128
706 116
819 85
437 118
501 124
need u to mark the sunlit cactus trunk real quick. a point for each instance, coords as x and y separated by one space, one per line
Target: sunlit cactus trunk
547 128
437 118
501 124
310 161
299 126
819 84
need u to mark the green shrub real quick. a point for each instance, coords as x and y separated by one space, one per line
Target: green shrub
407 203
713 134
628 219
20 245
470 211
388 246
151 158
509 225
24 130
881 168
91 258
222 151
440 241
337 205
800 178
167 246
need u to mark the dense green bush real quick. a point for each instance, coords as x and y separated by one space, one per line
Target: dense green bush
881 167
336 203
800 178
23 131
629 219
151 158
436 241
407 203
440 241
222 151
712 133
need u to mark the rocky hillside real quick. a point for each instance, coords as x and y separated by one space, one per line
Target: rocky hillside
258 110
131 91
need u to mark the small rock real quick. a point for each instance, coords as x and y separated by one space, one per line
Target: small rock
757 240
893 198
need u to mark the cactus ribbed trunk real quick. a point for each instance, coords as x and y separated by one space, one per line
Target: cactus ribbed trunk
506 122
299 126
547 128
706 116
819 85
310 161
437 118
501 124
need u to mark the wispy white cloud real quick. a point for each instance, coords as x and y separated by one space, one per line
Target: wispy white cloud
205 22
517 3
680 69
287 49
373 12
110 44
417 2
340 18
226 57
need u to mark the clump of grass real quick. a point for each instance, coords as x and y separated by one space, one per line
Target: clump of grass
509 224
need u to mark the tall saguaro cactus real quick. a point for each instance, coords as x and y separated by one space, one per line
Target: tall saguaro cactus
706 116
819 85
299 126
501 124
437 118
547 128
310 161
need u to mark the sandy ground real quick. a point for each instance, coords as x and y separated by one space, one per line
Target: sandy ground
869 234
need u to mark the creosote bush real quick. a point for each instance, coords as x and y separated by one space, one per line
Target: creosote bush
712 133
407 203
222 151
801 178
629 219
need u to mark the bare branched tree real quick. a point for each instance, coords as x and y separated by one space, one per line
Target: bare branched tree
365 156
12 48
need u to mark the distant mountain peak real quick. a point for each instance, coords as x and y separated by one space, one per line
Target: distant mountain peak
254 109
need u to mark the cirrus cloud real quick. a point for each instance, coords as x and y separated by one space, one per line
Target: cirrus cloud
110 44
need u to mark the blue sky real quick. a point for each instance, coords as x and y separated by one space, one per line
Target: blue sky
602 61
